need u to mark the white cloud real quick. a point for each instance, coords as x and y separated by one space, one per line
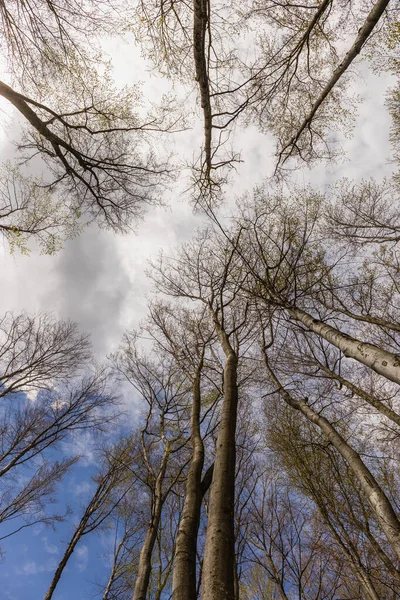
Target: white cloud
37 529
33 568
82 488
82 557
50 548
31 395
83 444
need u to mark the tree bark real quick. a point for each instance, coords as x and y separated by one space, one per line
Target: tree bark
381 361
144 570
219 554
200 24
184 576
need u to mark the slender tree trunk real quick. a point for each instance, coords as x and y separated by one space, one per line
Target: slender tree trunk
63 562
375 402
99 498
114 569
382 555
381 361
219 554
356 565
200 24
236 582
367 318
362 36
367 585
144 569
374 493
276 577
184 575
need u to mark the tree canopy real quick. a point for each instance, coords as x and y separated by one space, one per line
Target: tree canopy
241 441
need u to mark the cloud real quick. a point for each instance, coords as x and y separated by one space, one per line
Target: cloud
82 557
91 285
34 568
50 548
31 395
83 444
37 529
82 488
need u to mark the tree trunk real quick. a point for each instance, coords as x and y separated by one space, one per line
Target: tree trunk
375 495
144 569
200 24
99 497
381 361
356 565
63 562
362 37
114 569
219 554
277 579
184 575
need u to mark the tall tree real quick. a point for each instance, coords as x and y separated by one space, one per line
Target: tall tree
161 387
111 488
186 335
201 272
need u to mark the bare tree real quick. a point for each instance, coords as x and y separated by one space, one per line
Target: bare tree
375 495
288 544
128 527
49 393
291 275
88 144
363 213
38 352
29 213
288 147
201 272
111 488
347 519
29 429
160 385
39 38
186 335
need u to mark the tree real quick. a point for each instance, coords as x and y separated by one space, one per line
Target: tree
287 147
46 398
376 496
201 272
28 212
94 141
110 491
346 518
292 303
87 143
287 545
38 352
161 387
187 335
32 430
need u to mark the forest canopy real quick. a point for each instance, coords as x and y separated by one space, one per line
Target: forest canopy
240 441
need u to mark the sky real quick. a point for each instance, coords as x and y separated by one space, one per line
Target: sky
98 280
